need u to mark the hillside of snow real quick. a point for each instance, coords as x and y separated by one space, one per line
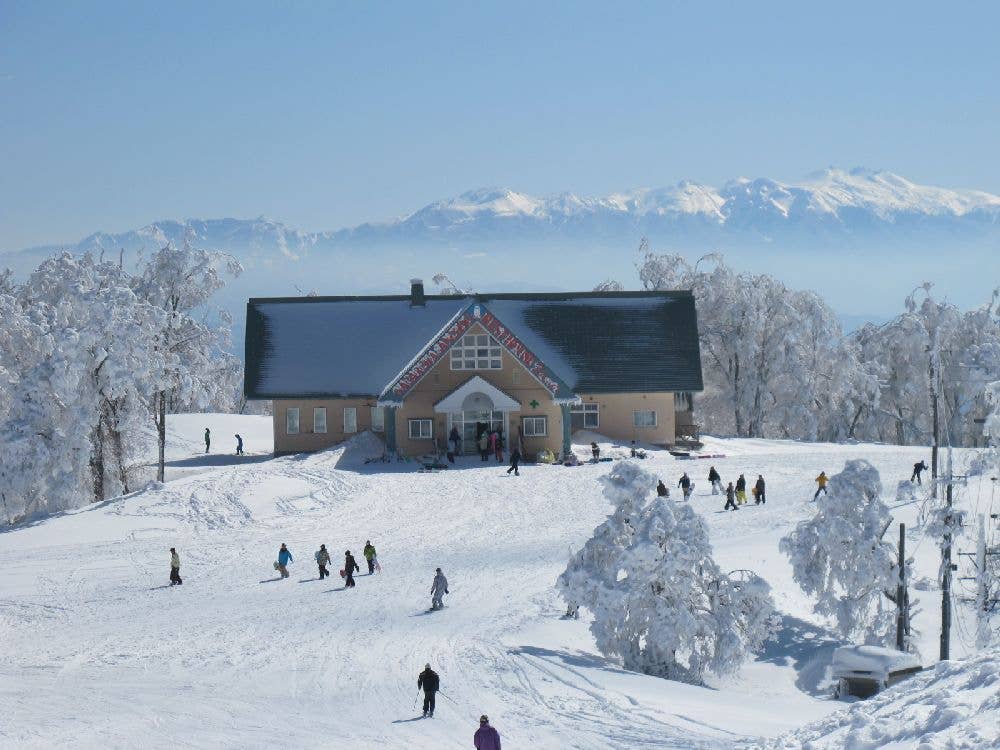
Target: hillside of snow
100 652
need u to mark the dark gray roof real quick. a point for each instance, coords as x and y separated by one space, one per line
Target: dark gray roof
596 342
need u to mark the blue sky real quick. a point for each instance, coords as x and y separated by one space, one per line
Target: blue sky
329 114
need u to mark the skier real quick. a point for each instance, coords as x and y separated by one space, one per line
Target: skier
369 553
661 489
430 683
486 737
239 445
484 446
438 589
515 459
741 489
821 480
715 480
208 439
685 484
455 439
917 469
322 559
284 557
758 490
349 567
175 568
730 498
595 452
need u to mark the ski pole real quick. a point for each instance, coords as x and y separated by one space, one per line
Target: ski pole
442 694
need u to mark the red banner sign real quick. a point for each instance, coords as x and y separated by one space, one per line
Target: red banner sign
519 351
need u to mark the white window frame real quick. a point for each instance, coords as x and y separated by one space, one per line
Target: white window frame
350 420
319 421
420 424
642 424
588 409
289 412
476 351
378 419
534 423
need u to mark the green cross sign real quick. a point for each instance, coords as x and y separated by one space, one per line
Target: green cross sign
533 404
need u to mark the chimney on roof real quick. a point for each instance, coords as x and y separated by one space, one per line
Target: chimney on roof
417 298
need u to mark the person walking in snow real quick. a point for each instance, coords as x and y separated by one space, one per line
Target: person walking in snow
208 439
758 490
821 480
239 445
918 467
715 480
661 489
438 589
685 485
369 553
350 565
284 557
456 440
730 498
741 489
322 559
515 459
175 568
486 737
430 683
484 445
595 452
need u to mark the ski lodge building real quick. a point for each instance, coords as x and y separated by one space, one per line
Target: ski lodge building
536 367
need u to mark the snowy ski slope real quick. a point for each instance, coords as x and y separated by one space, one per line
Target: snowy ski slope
97 650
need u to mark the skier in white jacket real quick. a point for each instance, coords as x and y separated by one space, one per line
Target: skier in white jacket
438 589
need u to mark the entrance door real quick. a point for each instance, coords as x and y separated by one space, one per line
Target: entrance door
471 425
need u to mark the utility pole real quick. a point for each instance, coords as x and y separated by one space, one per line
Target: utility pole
946 581
901 598
932 350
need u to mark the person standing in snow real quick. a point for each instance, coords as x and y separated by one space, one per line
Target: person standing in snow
239 445
430 683
595 452
498 447
284 557
758 490
685 485
322 559
661 489
515 459
456 440
175 568
486 737
369 553
349 567
208 439
730 498
484 446
715 480
438 589
918 467
741 489
821 480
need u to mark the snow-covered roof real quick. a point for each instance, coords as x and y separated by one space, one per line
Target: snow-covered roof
876 661
594 342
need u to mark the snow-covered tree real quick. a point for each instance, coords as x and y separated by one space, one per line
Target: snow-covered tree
840 556
659 600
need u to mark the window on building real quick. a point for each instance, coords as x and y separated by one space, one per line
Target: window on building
421 429
684 401
644 418
476 352
350 419
378 419
292 421
534 426
585 416
319 419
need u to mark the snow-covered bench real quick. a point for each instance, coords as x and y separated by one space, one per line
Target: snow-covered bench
863 671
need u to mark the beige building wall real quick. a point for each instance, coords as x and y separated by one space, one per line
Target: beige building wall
307 438
617 421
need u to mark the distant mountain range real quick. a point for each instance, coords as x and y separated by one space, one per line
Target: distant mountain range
862 237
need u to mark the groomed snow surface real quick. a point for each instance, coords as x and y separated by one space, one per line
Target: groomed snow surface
98 651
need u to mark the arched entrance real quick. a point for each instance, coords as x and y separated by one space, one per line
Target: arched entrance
477 415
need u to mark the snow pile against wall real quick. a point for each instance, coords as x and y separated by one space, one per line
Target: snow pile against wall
954 705
362 447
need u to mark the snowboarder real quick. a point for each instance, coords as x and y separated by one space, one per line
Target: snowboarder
758 490
715 480
515 459
350 565
284 557
730 498
917 469
438 589
486 737
322 559
239 445
455 439
484 446
821 480
430 683
661 489
175 568
741 489
685 485
369 553
595 452
208 439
